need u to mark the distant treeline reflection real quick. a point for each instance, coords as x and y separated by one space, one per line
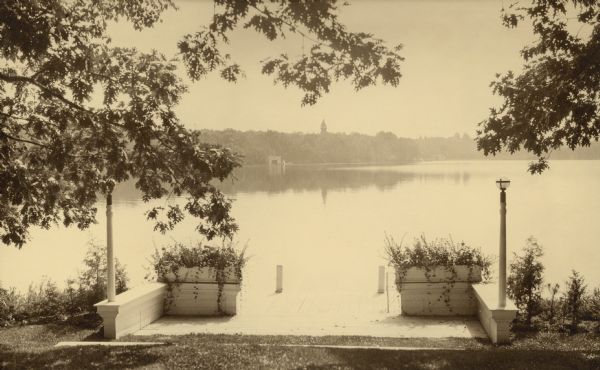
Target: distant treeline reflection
254 179
311 178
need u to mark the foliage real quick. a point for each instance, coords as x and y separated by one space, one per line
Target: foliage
554 101
573 311
169 259
525 280
384 147
574 298
92 280
594 306
335 54
78 115
552 305
437 252
9 306
43 302
46 302
256 146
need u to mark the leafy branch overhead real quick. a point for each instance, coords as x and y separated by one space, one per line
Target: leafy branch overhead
555 100
78 115
335 54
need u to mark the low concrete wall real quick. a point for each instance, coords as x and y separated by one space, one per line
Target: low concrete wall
201 299
132 310
496 321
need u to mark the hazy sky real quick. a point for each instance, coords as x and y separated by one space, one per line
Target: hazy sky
453 50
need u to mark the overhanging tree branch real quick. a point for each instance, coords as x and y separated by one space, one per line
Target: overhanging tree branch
47 90
2 133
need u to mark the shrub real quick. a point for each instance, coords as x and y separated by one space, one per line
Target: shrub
438 252
593 307
574 299
42 303
72 298
92 280
9 306
551 305
51 302
46 302
524 283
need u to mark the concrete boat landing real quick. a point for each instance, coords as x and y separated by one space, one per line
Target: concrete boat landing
320 314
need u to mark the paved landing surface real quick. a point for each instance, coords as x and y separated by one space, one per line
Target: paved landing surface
318 314
107 344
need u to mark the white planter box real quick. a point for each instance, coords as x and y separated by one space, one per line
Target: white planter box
195 291
439 274
438 291
192 299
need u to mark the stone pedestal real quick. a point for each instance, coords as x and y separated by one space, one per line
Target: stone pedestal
132 310
495 320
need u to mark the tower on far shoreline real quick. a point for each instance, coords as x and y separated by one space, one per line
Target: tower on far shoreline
323 127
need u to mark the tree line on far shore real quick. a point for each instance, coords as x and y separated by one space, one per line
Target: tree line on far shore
384 147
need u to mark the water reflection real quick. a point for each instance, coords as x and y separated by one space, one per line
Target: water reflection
328 178
272 180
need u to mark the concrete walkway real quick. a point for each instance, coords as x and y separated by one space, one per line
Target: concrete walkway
108 344
319 313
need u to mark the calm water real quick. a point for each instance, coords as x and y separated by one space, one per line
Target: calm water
326 224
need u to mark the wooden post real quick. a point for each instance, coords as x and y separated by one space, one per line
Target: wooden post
381 288
110 258
279 283
387 291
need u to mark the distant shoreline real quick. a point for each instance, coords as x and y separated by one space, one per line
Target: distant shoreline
359 149
319 164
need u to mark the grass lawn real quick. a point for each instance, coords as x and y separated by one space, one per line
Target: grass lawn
32 347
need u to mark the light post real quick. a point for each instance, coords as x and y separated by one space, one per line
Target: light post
110 258
502 184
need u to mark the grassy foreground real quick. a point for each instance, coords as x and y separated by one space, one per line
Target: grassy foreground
32 347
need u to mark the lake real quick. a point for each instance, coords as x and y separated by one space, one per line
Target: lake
326 224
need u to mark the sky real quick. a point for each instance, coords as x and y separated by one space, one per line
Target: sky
452 49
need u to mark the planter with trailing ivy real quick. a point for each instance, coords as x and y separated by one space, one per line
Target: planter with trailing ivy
201 279
434 277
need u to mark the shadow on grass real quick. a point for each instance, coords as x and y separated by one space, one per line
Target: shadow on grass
77 358
66 329
445 359
32 348
241 356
